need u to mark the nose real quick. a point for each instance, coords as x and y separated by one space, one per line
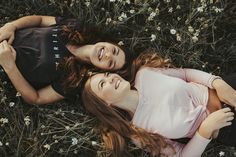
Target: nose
108 55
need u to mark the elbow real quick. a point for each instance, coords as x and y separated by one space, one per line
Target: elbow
34 101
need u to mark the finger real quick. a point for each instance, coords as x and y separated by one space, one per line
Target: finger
4 43
227 124
229 119
227 109
229 114
13 50
11 39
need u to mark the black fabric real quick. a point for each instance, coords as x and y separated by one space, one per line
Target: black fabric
227 135
39 50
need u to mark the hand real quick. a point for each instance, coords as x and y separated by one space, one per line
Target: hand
225 92
7 56
7 32
216 121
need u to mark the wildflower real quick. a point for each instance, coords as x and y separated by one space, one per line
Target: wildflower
122 16
74 141
195 39
218 10
4 120
112 0
108 20
151 16
7 143
132 11
87 3
121 43
42 126
158 28
75 151
221 153
67 127
47 146
27 120
11 104
190 29
1 144
178 18
172 31
18 94
200 9
127 1
178 7
153 37
56 141
94 143
178 37
170 10
61 150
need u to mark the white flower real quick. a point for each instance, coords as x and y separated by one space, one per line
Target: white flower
132 11
121 43
94 143
151 16
195 39
127 1
27 120
158 28
178 18
190 29
172 31
200 9
122 16
112 0
7 143
218 10
47 146
75 151
74 141
170 10
178 7
1 144
56 141
18 94
108 20
11 104
67 127
153 37
178 37
87 3
4 120
221 153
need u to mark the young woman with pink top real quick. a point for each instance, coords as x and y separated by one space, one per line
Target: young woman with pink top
160 105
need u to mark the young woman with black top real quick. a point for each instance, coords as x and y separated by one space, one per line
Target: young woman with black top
46 57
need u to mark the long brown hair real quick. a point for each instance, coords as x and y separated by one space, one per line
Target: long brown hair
116 127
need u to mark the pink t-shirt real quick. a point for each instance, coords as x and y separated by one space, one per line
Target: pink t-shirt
172 103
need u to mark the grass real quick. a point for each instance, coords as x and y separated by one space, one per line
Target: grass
192 33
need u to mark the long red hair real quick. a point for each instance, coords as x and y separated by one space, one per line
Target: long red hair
115 123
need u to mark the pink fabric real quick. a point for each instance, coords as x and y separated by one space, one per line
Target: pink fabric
172 103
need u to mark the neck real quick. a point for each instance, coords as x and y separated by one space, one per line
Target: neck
80 52
130 102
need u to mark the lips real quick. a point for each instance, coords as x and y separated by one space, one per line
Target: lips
100 54
117 84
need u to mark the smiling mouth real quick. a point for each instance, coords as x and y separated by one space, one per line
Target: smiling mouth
117 84
100 53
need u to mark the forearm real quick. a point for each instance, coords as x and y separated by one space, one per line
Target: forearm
28 93
32 21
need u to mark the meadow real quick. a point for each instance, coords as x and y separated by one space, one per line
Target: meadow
191 33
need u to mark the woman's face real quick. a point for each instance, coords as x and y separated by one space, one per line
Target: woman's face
107 56
111 88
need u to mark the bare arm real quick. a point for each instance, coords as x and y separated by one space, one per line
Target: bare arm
8 30
29 94
225 92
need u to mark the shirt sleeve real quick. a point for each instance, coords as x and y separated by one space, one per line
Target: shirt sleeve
190 75
71 94
194 148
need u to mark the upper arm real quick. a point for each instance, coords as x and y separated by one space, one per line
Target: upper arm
48 95
47 21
